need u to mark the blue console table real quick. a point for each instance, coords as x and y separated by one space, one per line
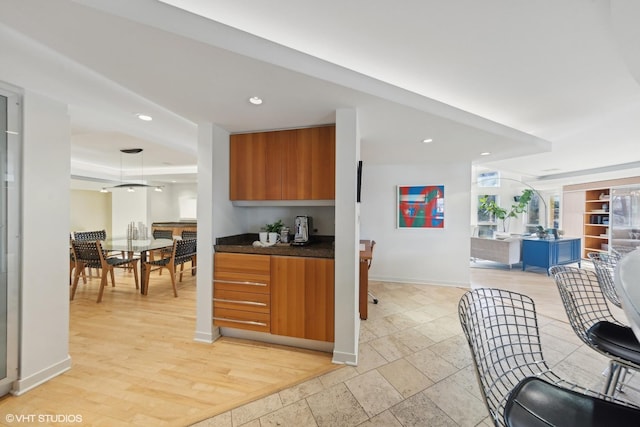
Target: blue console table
548 252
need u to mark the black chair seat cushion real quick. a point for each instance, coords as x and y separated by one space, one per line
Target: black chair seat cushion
616 340
119 261
535 402
159 262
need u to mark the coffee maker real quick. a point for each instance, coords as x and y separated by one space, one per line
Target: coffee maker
302 229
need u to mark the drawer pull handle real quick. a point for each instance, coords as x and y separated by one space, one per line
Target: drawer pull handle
234 301
233 282
244 322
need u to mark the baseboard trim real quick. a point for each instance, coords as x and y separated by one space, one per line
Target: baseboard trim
207 337
23 385
326 347
342 358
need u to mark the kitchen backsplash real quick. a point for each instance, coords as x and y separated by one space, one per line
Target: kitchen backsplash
323 217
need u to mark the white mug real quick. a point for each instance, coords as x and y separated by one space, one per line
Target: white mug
273 237
263 237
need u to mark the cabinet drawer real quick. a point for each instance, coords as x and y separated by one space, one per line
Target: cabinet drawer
252 285
257 303
242 272
242 319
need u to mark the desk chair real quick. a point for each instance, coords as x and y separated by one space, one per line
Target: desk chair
373 297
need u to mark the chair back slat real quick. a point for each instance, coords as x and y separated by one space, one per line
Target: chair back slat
90 235
86 252
162 234
187 235
185 249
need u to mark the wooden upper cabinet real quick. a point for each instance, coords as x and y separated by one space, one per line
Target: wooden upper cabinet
311 165
296 164
255 166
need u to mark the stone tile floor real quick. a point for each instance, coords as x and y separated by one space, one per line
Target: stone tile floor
414 366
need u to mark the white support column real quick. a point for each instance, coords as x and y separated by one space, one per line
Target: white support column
347 239
204 297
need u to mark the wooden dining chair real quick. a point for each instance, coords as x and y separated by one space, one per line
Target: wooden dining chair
191 235
164 252
89 236
89 254
181 252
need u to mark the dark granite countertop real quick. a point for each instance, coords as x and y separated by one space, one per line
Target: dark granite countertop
320 247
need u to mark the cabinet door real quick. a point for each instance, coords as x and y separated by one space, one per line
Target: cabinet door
311 164
319 299
255 166
302 297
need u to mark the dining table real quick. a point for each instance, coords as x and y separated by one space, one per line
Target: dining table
137 246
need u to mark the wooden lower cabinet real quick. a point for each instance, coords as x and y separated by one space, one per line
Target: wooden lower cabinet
242 291
283 295
302 297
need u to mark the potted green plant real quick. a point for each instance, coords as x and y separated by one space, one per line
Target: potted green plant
274 227
274 230
504 215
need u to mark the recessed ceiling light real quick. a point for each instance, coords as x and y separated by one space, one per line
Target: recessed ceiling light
104 190
427 140
255 100
145 117
486 153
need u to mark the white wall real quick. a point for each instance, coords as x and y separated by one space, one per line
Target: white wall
44 318
437 256
165 206
128 207
162 206
90 210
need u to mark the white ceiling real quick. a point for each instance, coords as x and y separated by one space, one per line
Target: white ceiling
549 88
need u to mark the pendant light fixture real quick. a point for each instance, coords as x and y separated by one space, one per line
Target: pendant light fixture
131 186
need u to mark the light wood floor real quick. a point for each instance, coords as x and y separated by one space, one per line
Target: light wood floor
135 362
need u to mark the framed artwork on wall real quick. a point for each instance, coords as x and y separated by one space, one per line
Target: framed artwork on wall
420 206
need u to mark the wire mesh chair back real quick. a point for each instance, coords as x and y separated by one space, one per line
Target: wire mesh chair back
621 251
90 235
605 266
582 298
501 328
163 234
